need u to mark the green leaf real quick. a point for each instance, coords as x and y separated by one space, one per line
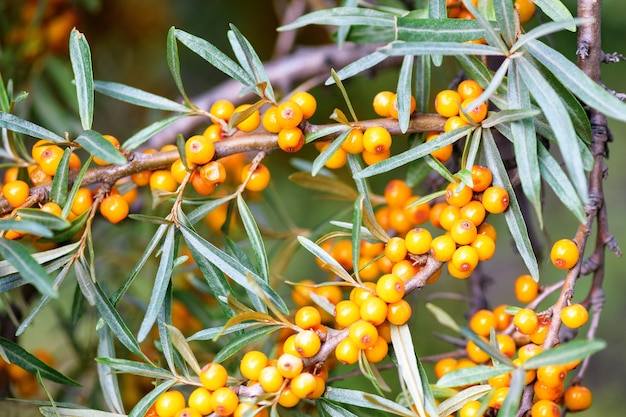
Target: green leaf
85 279
330 409
414 153
577 81
565 353
363 399
80 55
325 131
231 266
45 219
25 226
506 19
399 48
443 317
407 363
252 61
44 257
31 363
328 152
546 29
437 166
255 238
340 16
138 97
72 195
422 83
19 125
140 409
164 318
506 116
133 367
437 9
404 92
181 345
513 215
555 10
410 29
211 333
325 184
214 56
201 212
173 61
472 375
343 31
492 37
358 66
15 254
99 147
525 142
357 220
330 262
54 411
457 401
511 403
108 380
58 191
486 346
494 84
147 132
161 282
559 121
243 340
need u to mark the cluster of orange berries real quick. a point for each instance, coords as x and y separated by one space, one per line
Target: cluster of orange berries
525 9
23 382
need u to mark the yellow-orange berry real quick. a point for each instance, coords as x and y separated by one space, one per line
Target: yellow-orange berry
395 249
447 103
393 108
376 140
526 321
188 412
373 310
442 248
469 89
477 114
347 352
290 139
544 392
378 352
114 208
178 170
577 398
372 158
289 365
346 313
396 193
169 403
382 103
488 229
113 141
390 288
16 192
50 159
442 154
224 401
503 319
465 258
454 122
287 398
303 385
251 122
308 317
363 334
564 254
418 241
475 353
525 9
481 178
213 376
289 114
463 232
222 109
252 364
306 101
307 343
574 315
552 375
474 211
163 180
495 199
269 121
270 379
200 400
498 397
199 150
471 409
213 173
399 313
444 366
259 177
482 322
485 246
458 194
448 216
353 143
245 409
526 288
82 201
545 408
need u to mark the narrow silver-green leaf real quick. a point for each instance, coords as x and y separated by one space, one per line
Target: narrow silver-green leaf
253 61
325 131
565 353
437 9
506 116
404 92
26 226
329 409
138 97
140 409
472 375
398 48
147 132
494 84
421 89
492 37
108 380
457 401
99 147
513 214
215 279
320 161
414 153
173 61
437 166
133 367
58 191
438 30
45 219
443 317
74 190
326 258
485 346
241 341
15 254
577 81
369 218
200 212
544 30
17 124
363 399
555 10
405 354
80 55
342 32
255 238
358 66
161 282
340 16
510 406
44 257
560 122
210 333
506 19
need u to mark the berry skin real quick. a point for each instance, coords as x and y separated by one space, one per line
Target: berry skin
259 178
188 412
169 403
465 258
251 122
574 316
447 103
539 335
463 232
525 9
396 193
526 321
346 313
488 230
114 208
393 109
442 248
303 385
378 352
373 310
376 140
347 352
287 398
382 103
551 375
469 89
224 401
252 364
353 143
417 213
495 199
200 400
50 159
418 241
457 273
222 109
452 123
289 366
308 317
444 366
399 312
307 343
16 192
482 321
502 318
485 246
52 208
290 139
363 334
498 397
506 344
545 408
269 120
474 211
544 392
178 171
390 288
199 150
213 173
306 101
448 216
442 154
526 288
213 376
470 409
395 249
82 201
564 254
481 178
458 194
289 114
477 114
245 409
163 180
577 398
475 353
270 379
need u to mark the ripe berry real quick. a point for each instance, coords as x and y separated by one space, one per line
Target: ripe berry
353 143
199 150
552 375
200 400
469 89
447 103
418 241
564 254
360 294
463 232
378 352
539 335
373 310
477 114
213 376
442 248
287 398
390 288
306 101
526 288
251 122
417 213
506 344
373 158
82 201
188 412
200 185
382 103
470 409
396 193
213 173
252 364
502 318
495 199
475 353
442 154
269 120
488 230
289 115
454 122
224 401
52 208
163 180
474 211
169 403
259 178
444 366
114 208
178 170
485 246
393 108
448 216
308 317
270 379
525 9
481 178
577 398
526 321
289 365
498 397
482 322
50 159
290 139
16 192
395 249
307 343
222 109
303 385
574 315
458 194
346 313
363 334
545 408
398 313
347 352
245 409
376 140
465 258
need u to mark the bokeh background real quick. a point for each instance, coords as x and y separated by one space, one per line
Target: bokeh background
127 40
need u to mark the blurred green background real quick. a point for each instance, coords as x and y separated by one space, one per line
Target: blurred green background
127 40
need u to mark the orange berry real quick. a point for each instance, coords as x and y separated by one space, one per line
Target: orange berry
372 158
390 288
399 313
417 213
397 192
141 179
307 343
269 121
457 273
498 381
448 216
114 208
502 318
378 352
506 344
270 379
245 409
37 176
418 241
495 199
303 385
363 334
347 352
213 376
290 139
482 322
442 248
577 398
444 366
50 159
82 201
346 313
353 143
525 9
289 366
224 401
481 178
376 140
463 232
442 154
16 192
200 400
382 103
447 103
306 101
288 114
485 246
199 184
498 397
469 89
564 254
199 150
52 208
574 316
308 317
373 310
458 194
552 375
475 353
169 403
454 122
259 178
163 180
545 408
539 335
544 392
188 412
488 230
526 288
471 409
474 211
213 173
393 108
405 270
526 321
214 133
252 364
395 249
222 109
178 170
287 398
360 294
477 114
465 258
251 122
